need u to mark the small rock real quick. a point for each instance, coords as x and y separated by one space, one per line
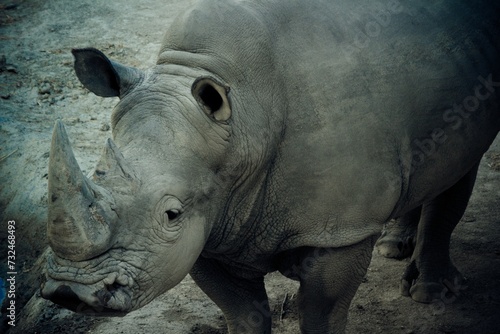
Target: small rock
10 6
105 127
72 120
5 67
45 88
11 68
84 118
469 219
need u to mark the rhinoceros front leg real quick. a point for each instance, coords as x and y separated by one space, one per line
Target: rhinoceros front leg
431 274
243 301
329 279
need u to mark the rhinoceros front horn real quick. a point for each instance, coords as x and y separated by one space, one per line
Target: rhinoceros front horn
80 213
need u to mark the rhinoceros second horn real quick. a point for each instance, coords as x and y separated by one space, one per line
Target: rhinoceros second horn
113 163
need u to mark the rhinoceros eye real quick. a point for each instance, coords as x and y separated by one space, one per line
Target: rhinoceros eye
168 210
172 214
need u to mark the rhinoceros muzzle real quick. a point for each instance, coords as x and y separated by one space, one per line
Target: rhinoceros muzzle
113 300
101 286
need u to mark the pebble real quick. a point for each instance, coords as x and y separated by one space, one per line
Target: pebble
45 88
72 120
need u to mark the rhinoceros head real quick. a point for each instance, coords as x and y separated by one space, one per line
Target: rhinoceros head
134 228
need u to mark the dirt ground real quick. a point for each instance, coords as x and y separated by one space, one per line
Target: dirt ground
38 86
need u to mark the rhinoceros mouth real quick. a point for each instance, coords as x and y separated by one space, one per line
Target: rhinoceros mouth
115 301
104 292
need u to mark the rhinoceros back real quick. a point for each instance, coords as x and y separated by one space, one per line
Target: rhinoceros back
389 89
368 109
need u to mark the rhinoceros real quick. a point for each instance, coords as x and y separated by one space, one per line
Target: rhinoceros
278 136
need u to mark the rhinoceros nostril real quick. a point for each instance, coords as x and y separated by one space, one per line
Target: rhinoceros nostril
400 246
65 297
104 295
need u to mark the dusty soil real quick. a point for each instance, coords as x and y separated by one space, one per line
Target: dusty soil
37 86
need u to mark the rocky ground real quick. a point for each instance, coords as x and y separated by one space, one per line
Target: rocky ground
38 86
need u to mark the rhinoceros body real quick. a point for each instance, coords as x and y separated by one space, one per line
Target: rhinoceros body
276 135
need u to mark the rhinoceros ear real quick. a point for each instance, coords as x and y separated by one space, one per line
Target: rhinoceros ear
102 76
212 98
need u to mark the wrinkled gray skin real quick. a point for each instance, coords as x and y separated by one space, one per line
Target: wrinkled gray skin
277 135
